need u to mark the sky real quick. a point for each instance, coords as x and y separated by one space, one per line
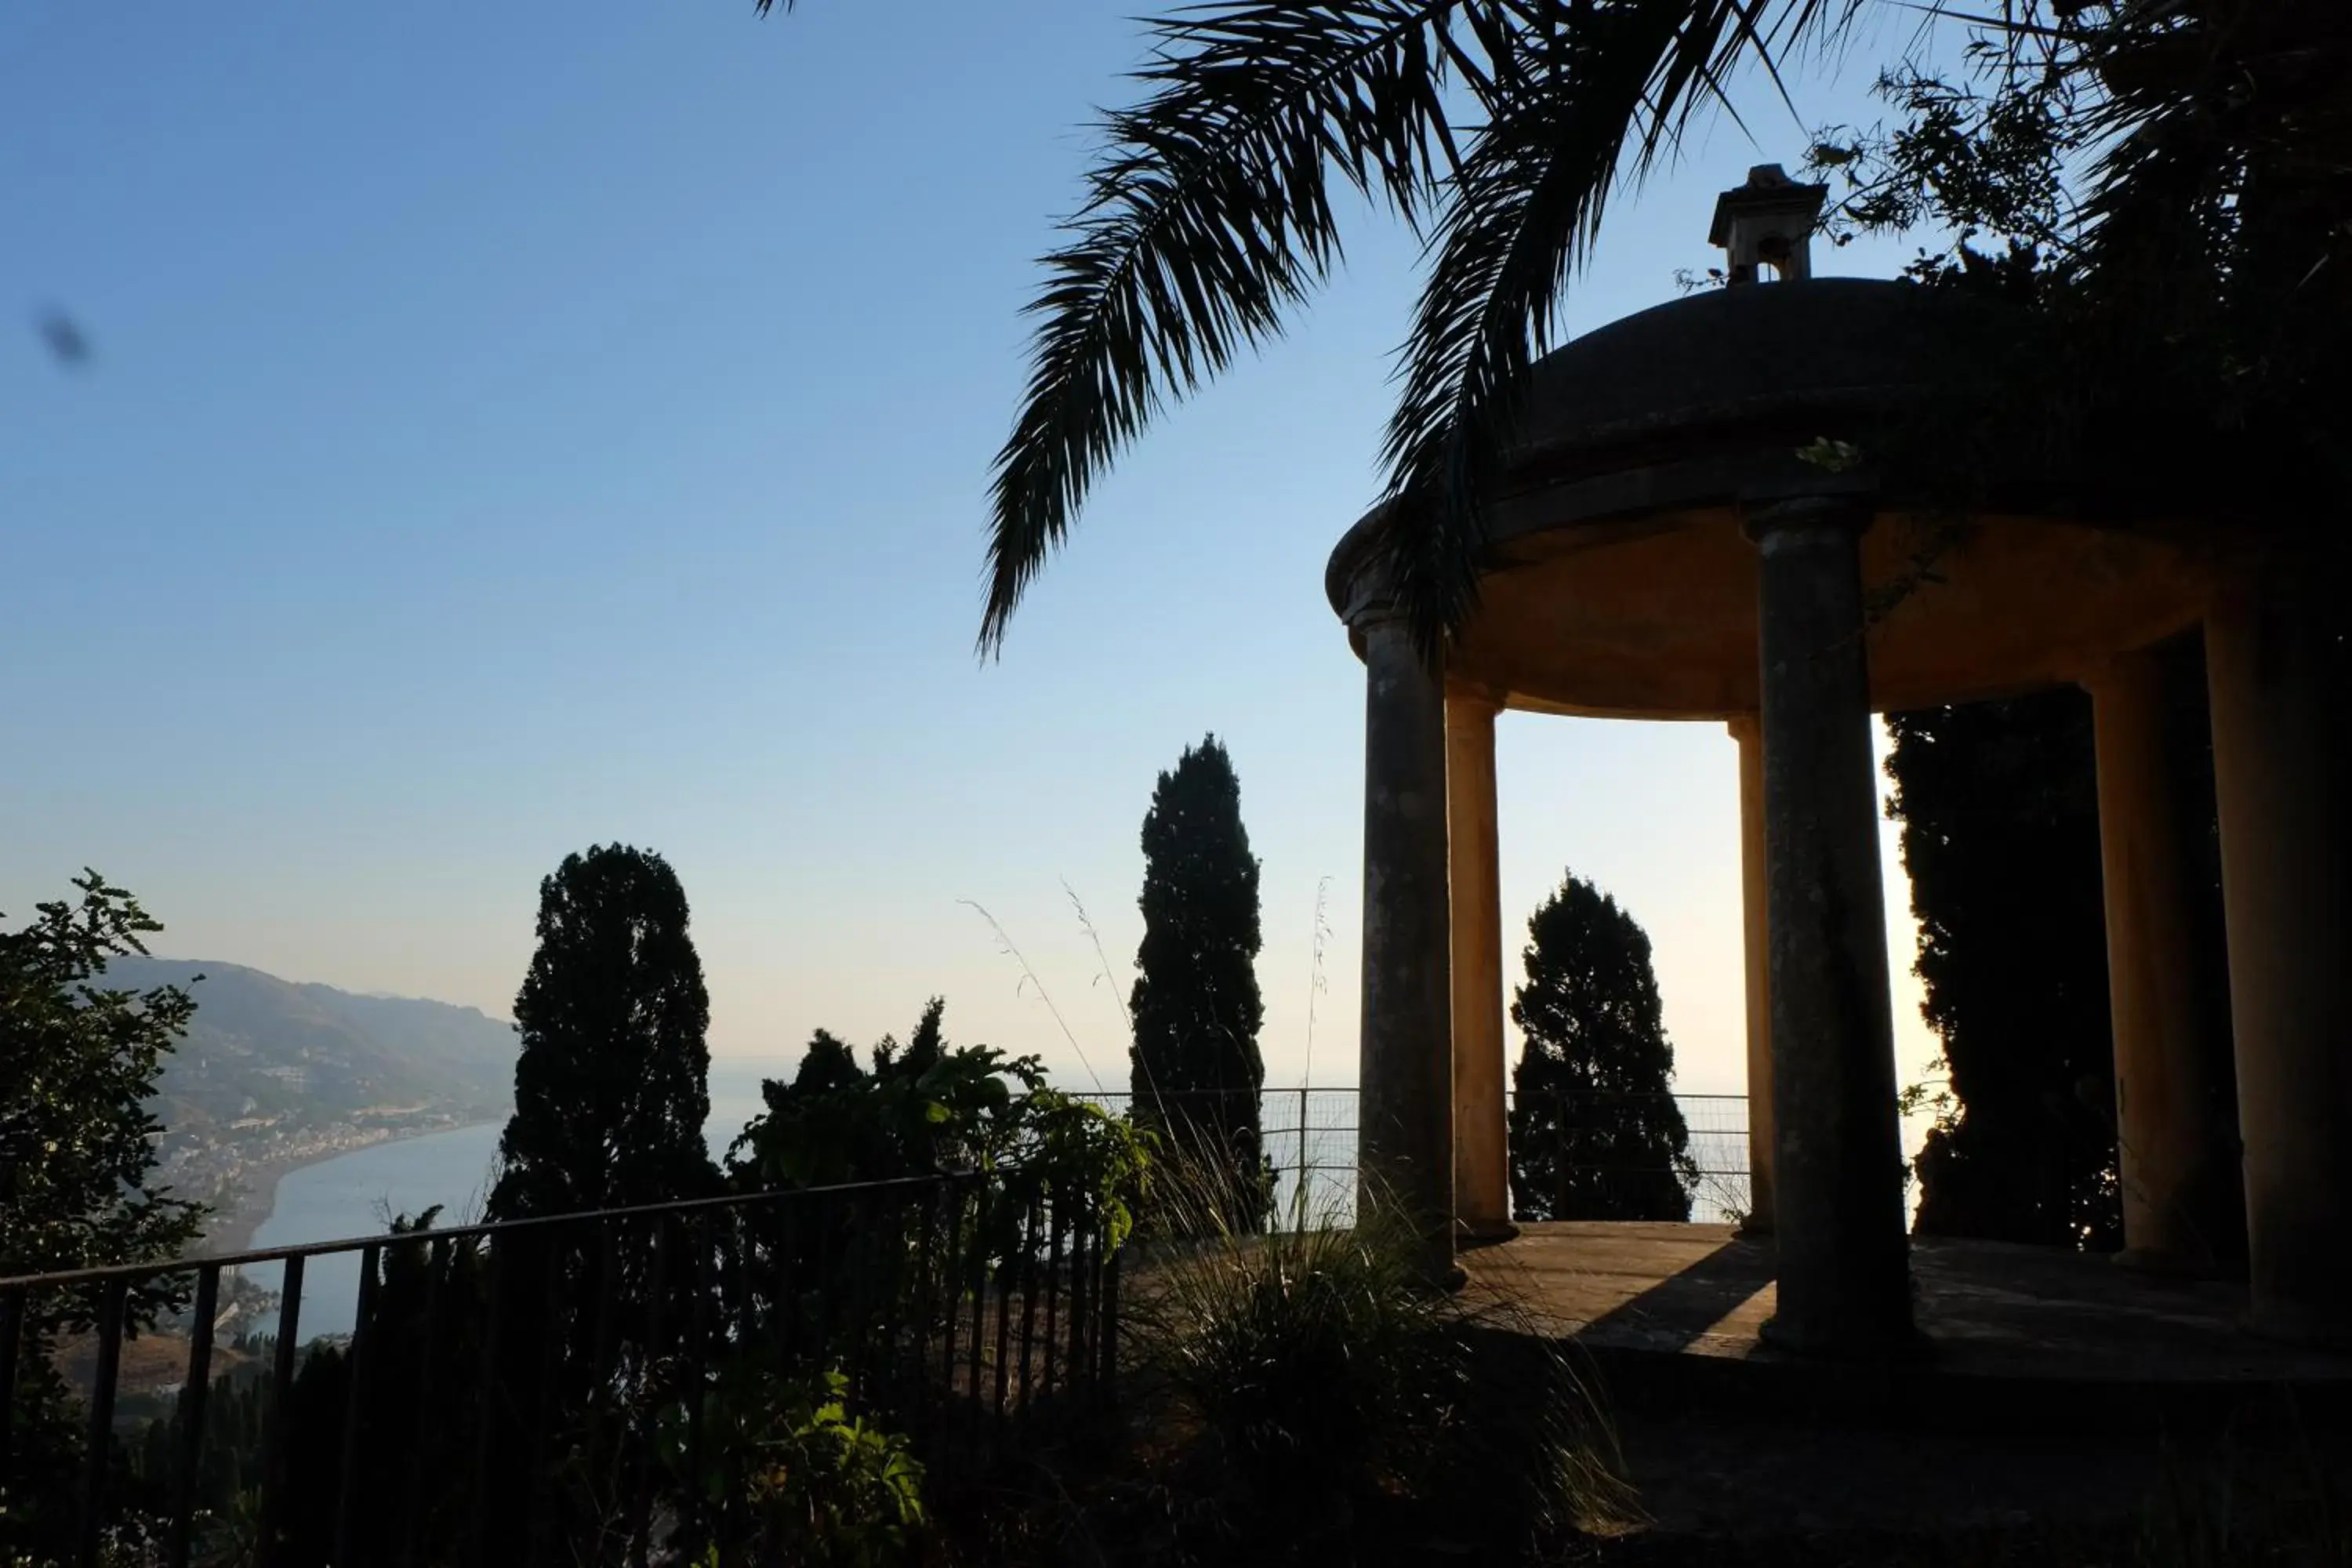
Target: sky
511 427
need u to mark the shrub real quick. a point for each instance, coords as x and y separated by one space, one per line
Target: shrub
808 1482
928 1107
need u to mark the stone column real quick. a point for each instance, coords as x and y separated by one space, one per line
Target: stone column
2167 1133
1844 1273
1405 1157
2280 784
1755 892
1481 1184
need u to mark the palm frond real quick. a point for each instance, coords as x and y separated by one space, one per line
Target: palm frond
1605 97
1210 215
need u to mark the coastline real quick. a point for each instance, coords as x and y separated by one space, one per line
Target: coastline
237 1223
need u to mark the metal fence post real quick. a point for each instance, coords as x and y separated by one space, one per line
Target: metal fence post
188 1447
112 1304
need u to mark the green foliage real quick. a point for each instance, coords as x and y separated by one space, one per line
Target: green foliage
1998 803
1595 1132
2170 185
1313 1401
928 1107
920 1111
79 1062
821 1486
611 1088
1195 1067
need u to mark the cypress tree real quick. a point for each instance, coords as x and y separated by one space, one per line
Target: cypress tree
1595 1132
1195 1068
1998 802
612 1086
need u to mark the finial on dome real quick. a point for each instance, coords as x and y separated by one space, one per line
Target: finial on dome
1767 221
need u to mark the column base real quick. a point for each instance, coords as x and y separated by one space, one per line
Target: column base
1483 1232
1753 1228
2165 1263
1441 1282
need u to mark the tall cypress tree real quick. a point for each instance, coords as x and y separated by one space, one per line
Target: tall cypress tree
2000 838
1195 1067
1998 802
612 1086
1595 1132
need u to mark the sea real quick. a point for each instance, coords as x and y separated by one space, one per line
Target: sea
357 1193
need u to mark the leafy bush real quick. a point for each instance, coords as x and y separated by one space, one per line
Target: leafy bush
80 1061
816 1484
929 1107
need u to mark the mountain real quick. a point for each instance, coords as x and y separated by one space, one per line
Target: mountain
262 1050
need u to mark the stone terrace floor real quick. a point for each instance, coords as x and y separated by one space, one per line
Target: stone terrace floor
1989 1309
2058 1385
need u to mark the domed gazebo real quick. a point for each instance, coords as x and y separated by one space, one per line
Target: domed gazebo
1692 525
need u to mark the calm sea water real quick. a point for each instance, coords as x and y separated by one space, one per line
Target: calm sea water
356 1194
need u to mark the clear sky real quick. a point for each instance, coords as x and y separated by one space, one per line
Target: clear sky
519 425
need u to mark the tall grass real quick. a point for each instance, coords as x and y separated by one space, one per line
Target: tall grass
1298 1395
2277 1497
1310 1400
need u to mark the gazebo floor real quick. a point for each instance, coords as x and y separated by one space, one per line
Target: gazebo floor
2056 1390
2014 1334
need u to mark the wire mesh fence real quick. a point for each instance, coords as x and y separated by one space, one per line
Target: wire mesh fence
1308 1136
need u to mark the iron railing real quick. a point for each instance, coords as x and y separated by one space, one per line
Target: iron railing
582 1387
1308 1134
579 1386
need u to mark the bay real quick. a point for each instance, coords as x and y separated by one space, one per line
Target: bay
356 1195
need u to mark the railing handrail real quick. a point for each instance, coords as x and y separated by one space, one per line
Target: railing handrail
67 1278
1278 1091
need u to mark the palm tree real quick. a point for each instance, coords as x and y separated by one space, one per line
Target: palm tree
1497 130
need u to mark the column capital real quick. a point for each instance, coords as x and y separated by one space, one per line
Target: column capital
1807 513
1472 698
2123 667
1745 728
1369 614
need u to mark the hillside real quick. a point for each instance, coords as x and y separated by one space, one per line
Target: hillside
274 1074
264 1047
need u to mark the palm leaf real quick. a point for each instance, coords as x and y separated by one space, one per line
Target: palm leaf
1521 213
1210 217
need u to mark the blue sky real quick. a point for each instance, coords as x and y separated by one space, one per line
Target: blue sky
514 426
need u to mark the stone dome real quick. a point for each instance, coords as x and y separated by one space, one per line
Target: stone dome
1729 360
1619 583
